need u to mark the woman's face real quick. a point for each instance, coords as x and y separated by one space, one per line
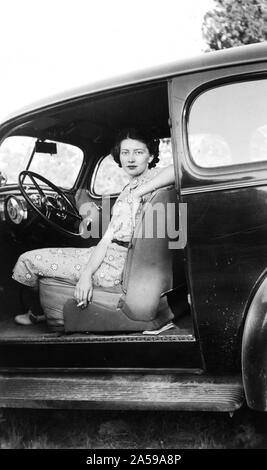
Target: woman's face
134 157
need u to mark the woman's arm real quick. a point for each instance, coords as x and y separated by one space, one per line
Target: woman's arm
163 178
84 288
99 253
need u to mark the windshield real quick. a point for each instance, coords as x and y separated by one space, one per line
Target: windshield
61 168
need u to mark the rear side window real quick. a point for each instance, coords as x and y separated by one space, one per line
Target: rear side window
227 125
111 179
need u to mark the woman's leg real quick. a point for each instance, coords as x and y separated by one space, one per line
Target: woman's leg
30 305
60 263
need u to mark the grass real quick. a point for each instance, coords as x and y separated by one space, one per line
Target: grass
69 429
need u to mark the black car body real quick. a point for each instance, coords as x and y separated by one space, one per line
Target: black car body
211 116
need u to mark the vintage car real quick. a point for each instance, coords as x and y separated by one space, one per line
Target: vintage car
57 177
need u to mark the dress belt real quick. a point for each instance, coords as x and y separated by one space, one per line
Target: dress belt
120 242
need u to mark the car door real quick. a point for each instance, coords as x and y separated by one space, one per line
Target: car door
219 124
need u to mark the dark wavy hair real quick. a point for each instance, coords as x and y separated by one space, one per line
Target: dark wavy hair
136 134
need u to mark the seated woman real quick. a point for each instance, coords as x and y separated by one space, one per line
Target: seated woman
101 265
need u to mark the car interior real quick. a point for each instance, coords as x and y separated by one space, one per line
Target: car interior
41 209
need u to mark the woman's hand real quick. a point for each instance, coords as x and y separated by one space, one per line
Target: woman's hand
84 290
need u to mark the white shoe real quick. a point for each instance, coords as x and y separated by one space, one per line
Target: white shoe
28 318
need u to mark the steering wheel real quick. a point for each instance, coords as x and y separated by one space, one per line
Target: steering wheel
47 206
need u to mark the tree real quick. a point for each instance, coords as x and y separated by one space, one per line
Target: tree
235 23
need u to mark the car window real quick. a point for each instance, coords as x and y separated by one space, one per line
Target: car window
61 168
227 125
110 178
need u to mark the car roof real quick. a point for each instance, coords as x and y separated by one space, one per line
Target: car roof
210 60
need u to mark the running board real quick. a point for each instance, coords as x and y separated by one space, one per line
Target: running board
121 391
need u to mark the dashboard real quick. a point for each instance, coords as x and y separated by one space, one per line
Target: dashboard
15 209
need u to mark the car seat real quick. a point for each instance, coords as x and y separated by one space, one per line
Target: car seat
138 303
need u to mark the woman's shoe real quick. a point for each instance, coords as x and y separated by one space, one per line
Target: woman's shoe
29 318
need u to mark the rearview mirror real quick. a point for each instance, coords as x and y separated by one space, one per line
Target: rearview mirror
45 147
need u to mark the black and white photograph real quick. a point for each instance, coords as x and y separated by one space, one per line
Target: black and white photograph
133 230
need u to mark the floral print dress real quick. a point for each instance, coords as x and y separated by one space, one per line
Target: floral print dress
68 263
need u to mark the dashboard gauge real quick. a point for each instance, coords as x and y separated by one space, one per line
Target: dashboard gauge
16 209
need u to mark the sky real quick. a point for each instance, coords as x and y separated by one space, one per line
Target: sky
54 45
